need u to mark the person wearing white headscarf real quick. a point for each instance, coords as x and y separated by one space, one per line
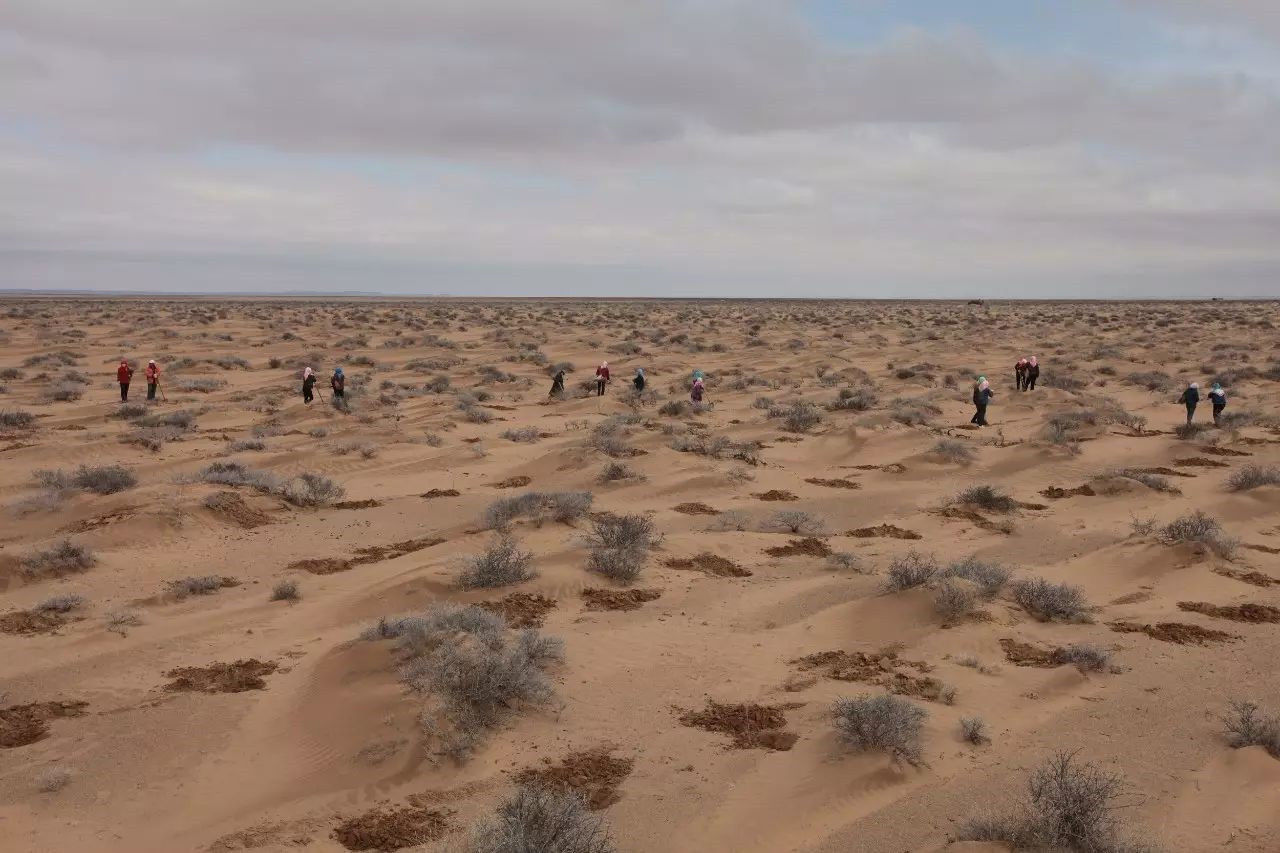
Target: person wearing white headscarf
982 395
1190 397
308 383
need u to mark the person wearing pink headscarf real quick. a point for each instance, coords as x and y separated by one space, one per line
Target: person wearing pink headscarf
1020 373
1033 373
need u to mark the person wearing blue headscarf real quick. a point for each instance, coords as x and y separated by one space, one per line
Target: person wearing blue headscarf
1219 399
338 383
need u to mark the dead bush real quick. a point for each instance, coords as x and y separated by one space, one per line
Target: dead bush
1252 477
986 497
502 563
883 722
63 558
1247 725
1201 530
1051 602
539 819
1069 806
910 570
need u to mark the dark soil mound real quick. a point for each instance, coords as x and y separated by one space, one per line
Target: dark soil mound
24 724
1199 462
392 829
367 504
1175 632
1055 493
882 668
230 507
31 622
440 493
321 566
375 553
808 546
888 531
751 726
521 609
1255 613
710 564
594 773
1223 451
513 482
221 677
1024 654
775 495
695 509
619 599
1254 578
832 484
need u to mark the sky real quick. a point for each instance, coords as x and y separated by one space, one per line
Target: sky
718 148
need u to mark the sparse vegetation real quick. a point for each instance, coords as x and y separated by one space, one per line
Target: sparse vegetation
986 497
286 590
620 546
955 452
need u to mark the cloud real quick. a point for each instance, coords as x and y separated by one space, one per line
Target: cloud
492 144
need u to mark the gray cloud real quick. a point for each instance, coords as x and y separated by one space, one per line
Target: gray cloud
484 142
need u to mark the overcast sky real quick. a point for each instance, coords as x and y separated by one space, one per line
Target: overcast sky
853 148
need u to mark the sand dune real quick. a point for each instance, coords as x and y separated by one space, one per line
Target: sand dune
318 726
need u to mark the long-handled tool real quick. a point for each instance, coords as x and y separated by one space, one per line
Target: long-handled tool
161 390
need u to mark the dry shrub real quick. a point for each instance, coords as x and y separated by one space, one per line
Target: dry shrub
542 820
910 570
974 730
502 563
987 576
473 669
1253 477
953 451
1069 807
1247 726
1051 602
1201 530
63 558
889 723
987 497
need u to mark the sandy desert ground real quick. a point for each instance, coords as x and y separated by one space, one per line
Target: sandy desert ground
808 538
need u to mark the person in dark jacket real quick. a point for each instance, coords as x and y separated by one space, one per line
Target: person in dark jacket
1033 373
308 385
638 382
557 384
982 395
338 383
1020 373
602 378
1219 399
695 393
124 374
1190 398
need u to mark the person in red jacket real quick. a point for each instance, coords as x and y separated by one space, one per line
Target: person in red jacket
602 378
124 373
153 378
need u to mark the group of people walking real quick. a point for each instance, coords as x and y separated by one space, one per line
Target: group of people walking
124 376
696 390
337 384
1191 398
